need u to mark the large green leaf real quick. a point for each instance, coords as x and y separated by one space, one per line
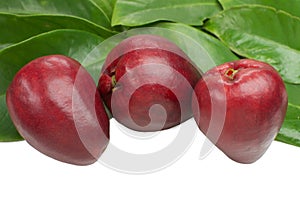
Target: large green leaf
205 50
262 33
73 43
137 12
85 9
21 27
290 6
290 131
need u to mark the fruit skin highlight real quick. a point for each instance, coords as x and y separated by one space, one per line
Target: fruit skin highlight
255 102
56 108
144 71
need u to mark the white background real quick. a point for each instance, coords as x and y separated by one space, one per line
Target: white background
27 174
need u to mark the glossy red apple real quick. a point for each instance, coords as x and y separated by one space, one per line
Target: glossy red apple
240 106
147 83
55 106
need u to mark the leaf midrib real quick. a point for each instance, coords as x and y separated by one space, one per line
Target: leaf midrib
102 11
275 42
188 36
293 105
170 7
89 22
256 36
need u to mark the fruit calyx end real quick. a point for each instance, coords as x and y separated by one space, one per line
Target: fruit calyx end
113 81
230 73
115 85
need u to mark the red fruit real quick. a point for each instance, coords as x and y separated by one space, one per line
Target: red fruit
142 72
240 106
55 106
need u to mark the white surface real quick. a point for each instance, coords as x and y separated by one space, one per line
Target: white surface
27 174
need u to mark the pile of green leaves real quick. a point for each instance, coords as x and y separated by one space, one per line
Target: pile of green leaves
224 30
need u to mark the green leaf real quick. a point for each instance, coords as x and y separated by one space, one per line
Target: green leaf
137 12
107 6
20 27
205 50
290 131
85 9
290 6
8 132
72 43
261 33
112 3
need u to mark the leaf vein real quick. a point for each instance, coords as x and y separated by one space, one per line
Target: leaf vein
293 105
169 7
